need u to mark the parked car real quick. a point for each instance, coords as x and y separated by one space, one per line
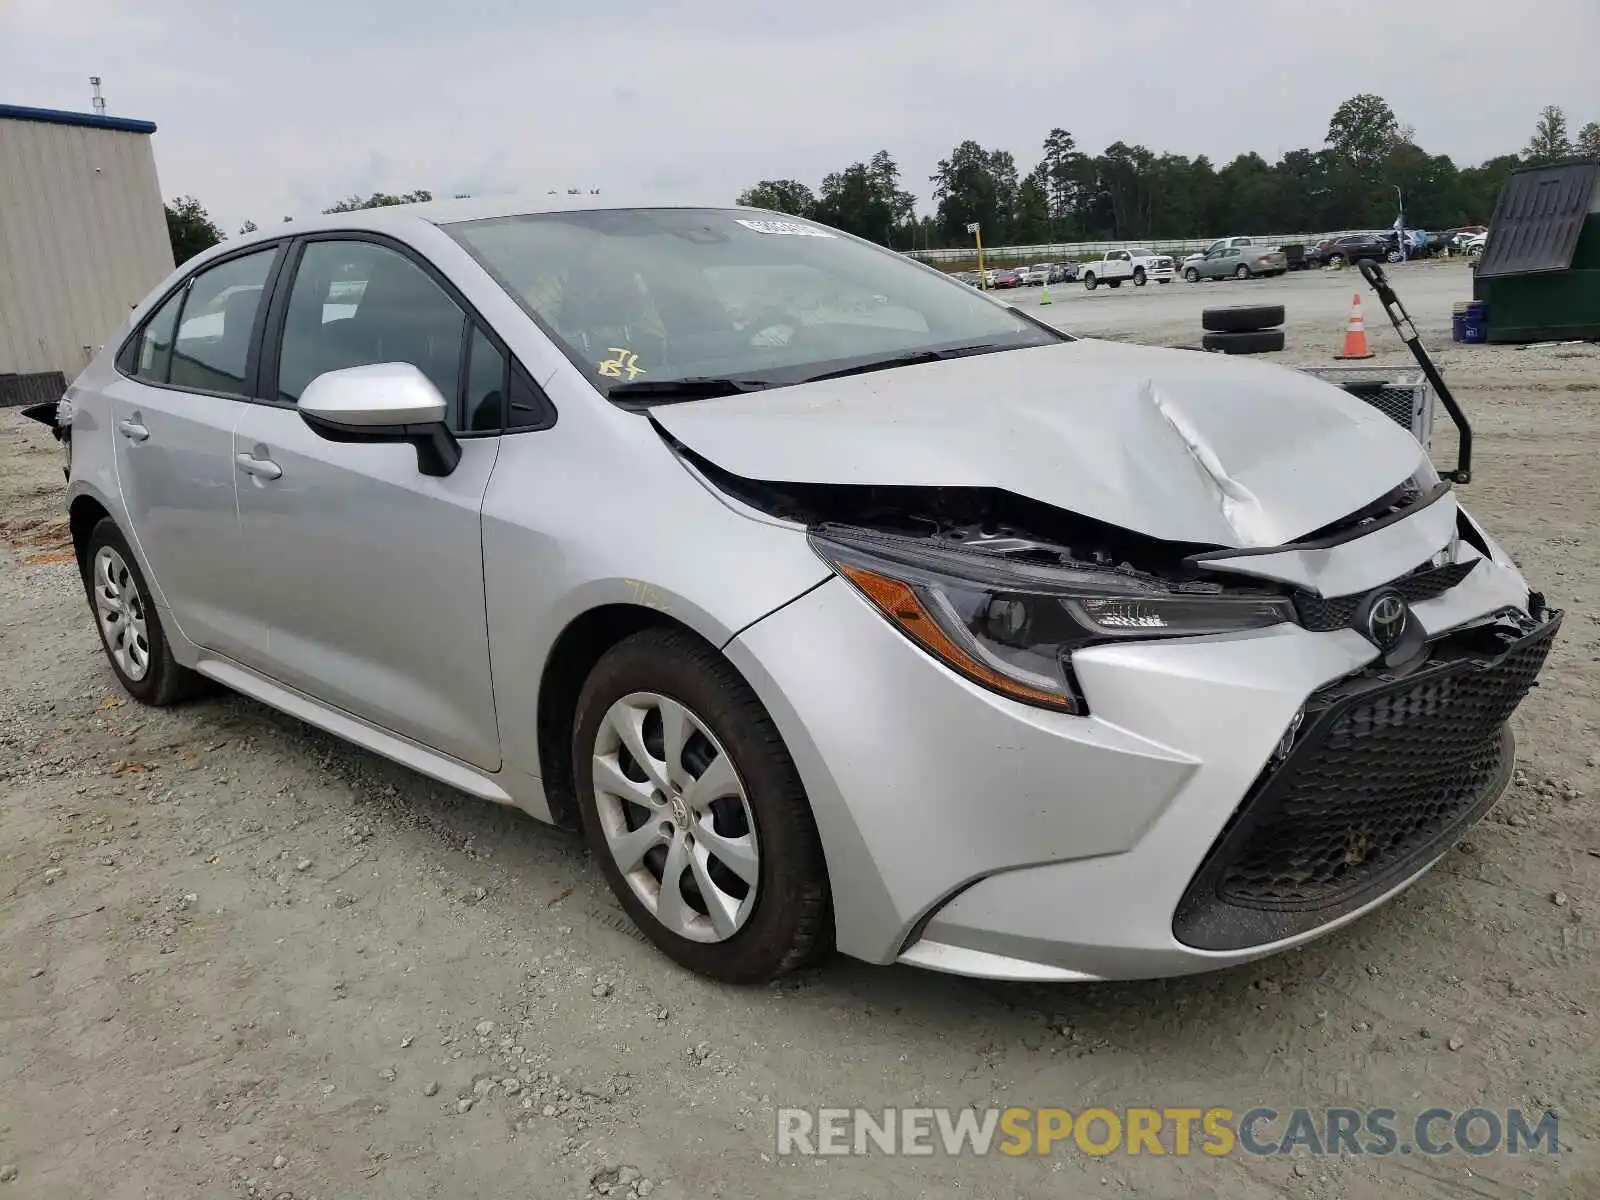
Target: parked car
1064 272
970 278
1007 277
1313 256
1038 275
1239 262
1474 245
1353 247
1113 269
760 553
1148 265
1227 243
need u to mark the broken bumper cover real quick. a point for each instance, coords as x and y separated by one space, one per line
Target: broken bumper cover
969 833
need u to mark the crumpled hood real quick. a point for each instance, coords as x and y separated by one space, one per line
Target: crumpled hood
1173 444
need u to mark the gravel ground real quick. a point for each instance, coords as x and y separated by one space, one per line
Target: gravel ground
238 958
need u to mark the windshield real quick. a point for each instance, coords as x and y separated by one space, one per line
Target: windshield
655 296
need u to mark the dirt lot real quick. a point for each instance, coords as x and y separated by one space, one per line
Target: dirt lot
238 958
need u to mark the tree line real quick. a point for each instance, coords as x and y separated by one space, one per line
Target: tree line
1368 166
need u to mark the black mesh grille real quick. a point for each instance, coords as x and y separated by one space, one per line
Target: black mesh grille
1385 774
1321 615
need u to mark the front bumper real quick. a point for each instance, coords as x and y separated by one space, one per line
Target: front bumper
969 833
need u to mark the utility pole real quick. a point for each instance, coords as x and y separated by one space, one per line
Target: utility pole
99 100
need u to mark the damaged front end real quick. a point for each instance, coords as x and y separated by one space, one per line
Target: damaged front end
1003 590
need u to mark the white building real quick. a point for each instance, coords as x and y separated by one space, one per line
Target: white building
83 238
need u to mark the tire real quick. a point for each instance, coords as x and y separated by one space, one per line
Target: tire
1242 273
782 919
1243 318
1138 277
1113 283
1192 275
1261 341
129 624
1089 281
1336 260
1394 256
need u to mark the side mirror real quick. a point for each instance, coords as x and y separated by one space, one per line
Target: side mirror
384 402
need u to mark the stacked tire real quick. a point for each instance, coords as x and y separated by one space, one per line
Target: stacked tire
1243 329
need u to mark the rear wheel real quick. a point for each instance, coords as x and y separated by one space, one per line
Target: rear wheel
695 812
1243 272
130 627
1336 260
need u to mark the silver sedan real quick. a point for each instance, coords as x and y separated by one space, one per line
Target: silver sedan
839 605
1236 262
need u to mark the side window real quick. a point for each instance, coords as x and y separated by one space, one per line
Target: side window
149 356
358 303
219 318
486 385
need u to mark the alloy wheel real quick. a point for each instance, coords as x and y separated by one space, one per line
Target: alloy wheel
675 816
120 611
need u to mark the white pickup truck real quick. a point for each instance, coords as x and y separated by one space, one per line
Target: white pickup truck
1140 266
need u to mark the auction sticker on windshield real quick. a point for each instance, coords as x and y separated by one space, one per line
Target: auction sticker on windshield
792 228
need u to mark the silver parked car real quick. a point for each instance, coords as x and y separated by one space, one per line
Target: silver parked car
840 606
1238 262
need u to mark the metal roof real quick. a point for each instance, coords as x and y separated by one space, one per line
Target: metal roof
1539 218
56 116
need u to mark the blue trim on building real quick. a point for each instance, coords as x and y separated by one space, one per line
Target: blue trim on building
55 116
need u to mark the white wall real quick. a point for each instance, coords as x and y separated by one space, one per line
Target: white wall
83 238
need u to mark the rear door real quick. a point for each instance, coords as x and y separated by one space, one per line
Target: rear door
368 572
180 388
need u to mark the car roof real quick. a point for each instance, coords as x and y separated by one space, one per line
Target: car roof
397 218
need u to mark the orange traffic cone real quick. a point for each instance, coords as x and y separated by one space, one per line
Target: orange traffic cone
1355 334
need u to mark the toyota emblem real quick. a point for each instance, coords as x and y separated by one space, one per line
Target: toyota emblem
1386 620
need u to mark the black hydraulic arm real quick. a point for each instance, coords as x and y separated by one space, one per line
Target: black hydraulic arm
1401 320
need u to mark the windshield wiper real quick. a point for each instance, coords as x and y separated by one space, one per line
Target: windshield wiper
907 360
695 387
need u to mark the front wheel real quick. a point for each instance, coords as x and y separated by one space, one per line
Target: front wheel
696 813
1138 277
1242 273
1394 256
1090 282
1192 275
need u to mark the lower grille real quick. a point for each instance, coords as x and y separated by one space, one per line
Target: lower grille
1385 775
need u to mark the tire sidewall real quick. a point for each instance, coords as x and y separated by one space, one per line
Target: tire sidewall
153 687
677 665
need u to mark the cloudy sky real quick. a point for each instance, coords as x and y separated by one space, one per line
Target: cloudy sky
275 109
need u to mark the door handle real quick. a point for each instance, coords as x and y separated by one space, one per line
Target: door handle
133 431
262 468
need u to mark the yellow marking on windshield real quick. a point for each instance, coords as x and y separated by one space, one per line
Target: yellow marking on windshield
625 360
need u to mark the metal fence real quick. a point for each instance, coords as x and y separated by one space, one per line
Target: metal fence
1057 251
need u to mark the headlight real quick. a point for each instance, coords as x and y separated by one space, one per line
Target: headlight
1012 625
